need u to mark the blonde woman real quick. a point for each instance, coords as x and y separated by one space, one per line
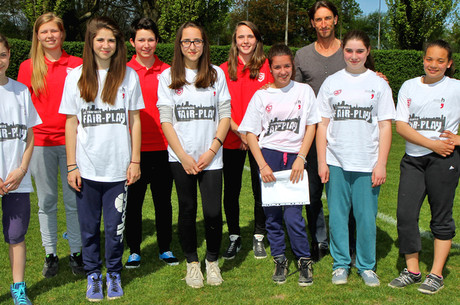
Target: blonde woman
44 73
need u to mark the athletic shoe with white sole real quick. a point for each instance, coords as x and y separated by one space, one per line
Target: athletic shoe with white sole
194 277
213 276
432 284
233 248
94 288
340 276
169 258
370 278
134 261
114 290
405 278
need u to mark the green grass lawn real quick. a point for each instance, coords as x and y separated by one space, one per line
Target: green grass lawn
246 280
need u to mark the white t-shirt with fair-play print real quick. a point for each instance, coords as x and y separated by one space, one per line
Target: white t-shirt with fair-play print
17 114
195 113
279 116
354 103
429 109
103 139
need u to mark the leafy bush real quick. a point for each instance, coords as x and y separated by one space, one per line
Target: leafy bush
397 65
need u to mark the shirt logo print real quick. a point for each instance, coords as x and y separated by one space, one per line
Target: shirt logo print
261 77
179 91
337 92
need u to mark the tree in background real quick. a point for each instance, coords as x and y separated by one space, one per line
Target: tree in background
414 22
369 24
211 14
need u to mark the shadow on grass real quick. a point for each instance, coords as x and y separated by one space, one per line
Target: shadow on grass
425 257
247 234
63 278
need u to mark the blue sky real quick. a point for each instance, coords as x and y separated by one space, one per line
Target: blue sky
370 6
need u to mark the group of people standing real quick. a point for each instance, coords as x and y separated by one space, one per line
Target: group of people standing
112 127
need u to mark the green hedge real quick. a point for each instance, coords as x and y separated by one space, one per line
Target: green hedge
397 65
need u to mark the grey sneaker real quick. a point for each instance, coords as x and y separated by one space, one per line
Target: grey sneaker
194 277
258 246
432 284
213 276
51 266
281 269
305 265
233 248
404 279
339 276
370 278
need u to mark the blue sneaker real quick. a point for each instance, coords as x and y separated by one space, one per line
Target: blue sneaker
134 261
94 287
370 278
169 258
114 290
19 294
339 276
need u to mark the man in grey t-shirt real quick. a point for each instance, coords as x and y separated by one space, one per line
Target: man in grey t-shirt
314 63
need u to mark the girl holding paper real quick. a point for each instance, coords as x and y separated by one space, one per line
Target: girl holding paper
278 116
353 142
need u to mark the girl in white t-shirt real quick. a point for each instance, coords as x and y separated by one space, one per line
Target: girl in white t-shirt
17 117
353 142
280 126
428 116
194 105
102 99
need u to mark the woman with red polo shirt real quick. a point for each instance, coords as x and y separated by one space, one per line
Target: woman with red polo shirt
246 70
44 74
154 153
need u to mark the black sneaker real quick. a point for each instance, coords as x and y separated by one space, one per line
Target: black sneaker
405 278
76 263
258 246
281 269
51 266
323 250
305 265
432 284
233 248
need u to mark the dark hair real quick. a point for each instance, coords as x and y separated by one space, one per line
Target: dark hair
88 83
362 36
4 41
319 4
446 46
206 76
280 49
257 59
144 24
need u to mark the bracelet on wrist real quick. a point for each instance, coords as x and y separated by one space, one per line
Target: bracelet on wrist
212 151
71 170
71 165
219 140
135 162
260 169
24 171
302 157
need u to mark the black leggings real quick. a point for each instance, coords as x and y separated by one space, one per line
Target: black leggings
234 160
210 183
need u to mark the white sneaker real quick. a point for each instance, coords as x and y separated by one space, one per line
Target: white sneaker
194 277
213 276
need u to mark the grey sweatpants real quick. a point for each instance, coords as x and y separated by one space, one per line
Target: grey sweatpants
44 165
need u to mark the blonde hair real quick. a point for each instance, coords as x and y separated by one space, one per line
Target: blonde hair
37 54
